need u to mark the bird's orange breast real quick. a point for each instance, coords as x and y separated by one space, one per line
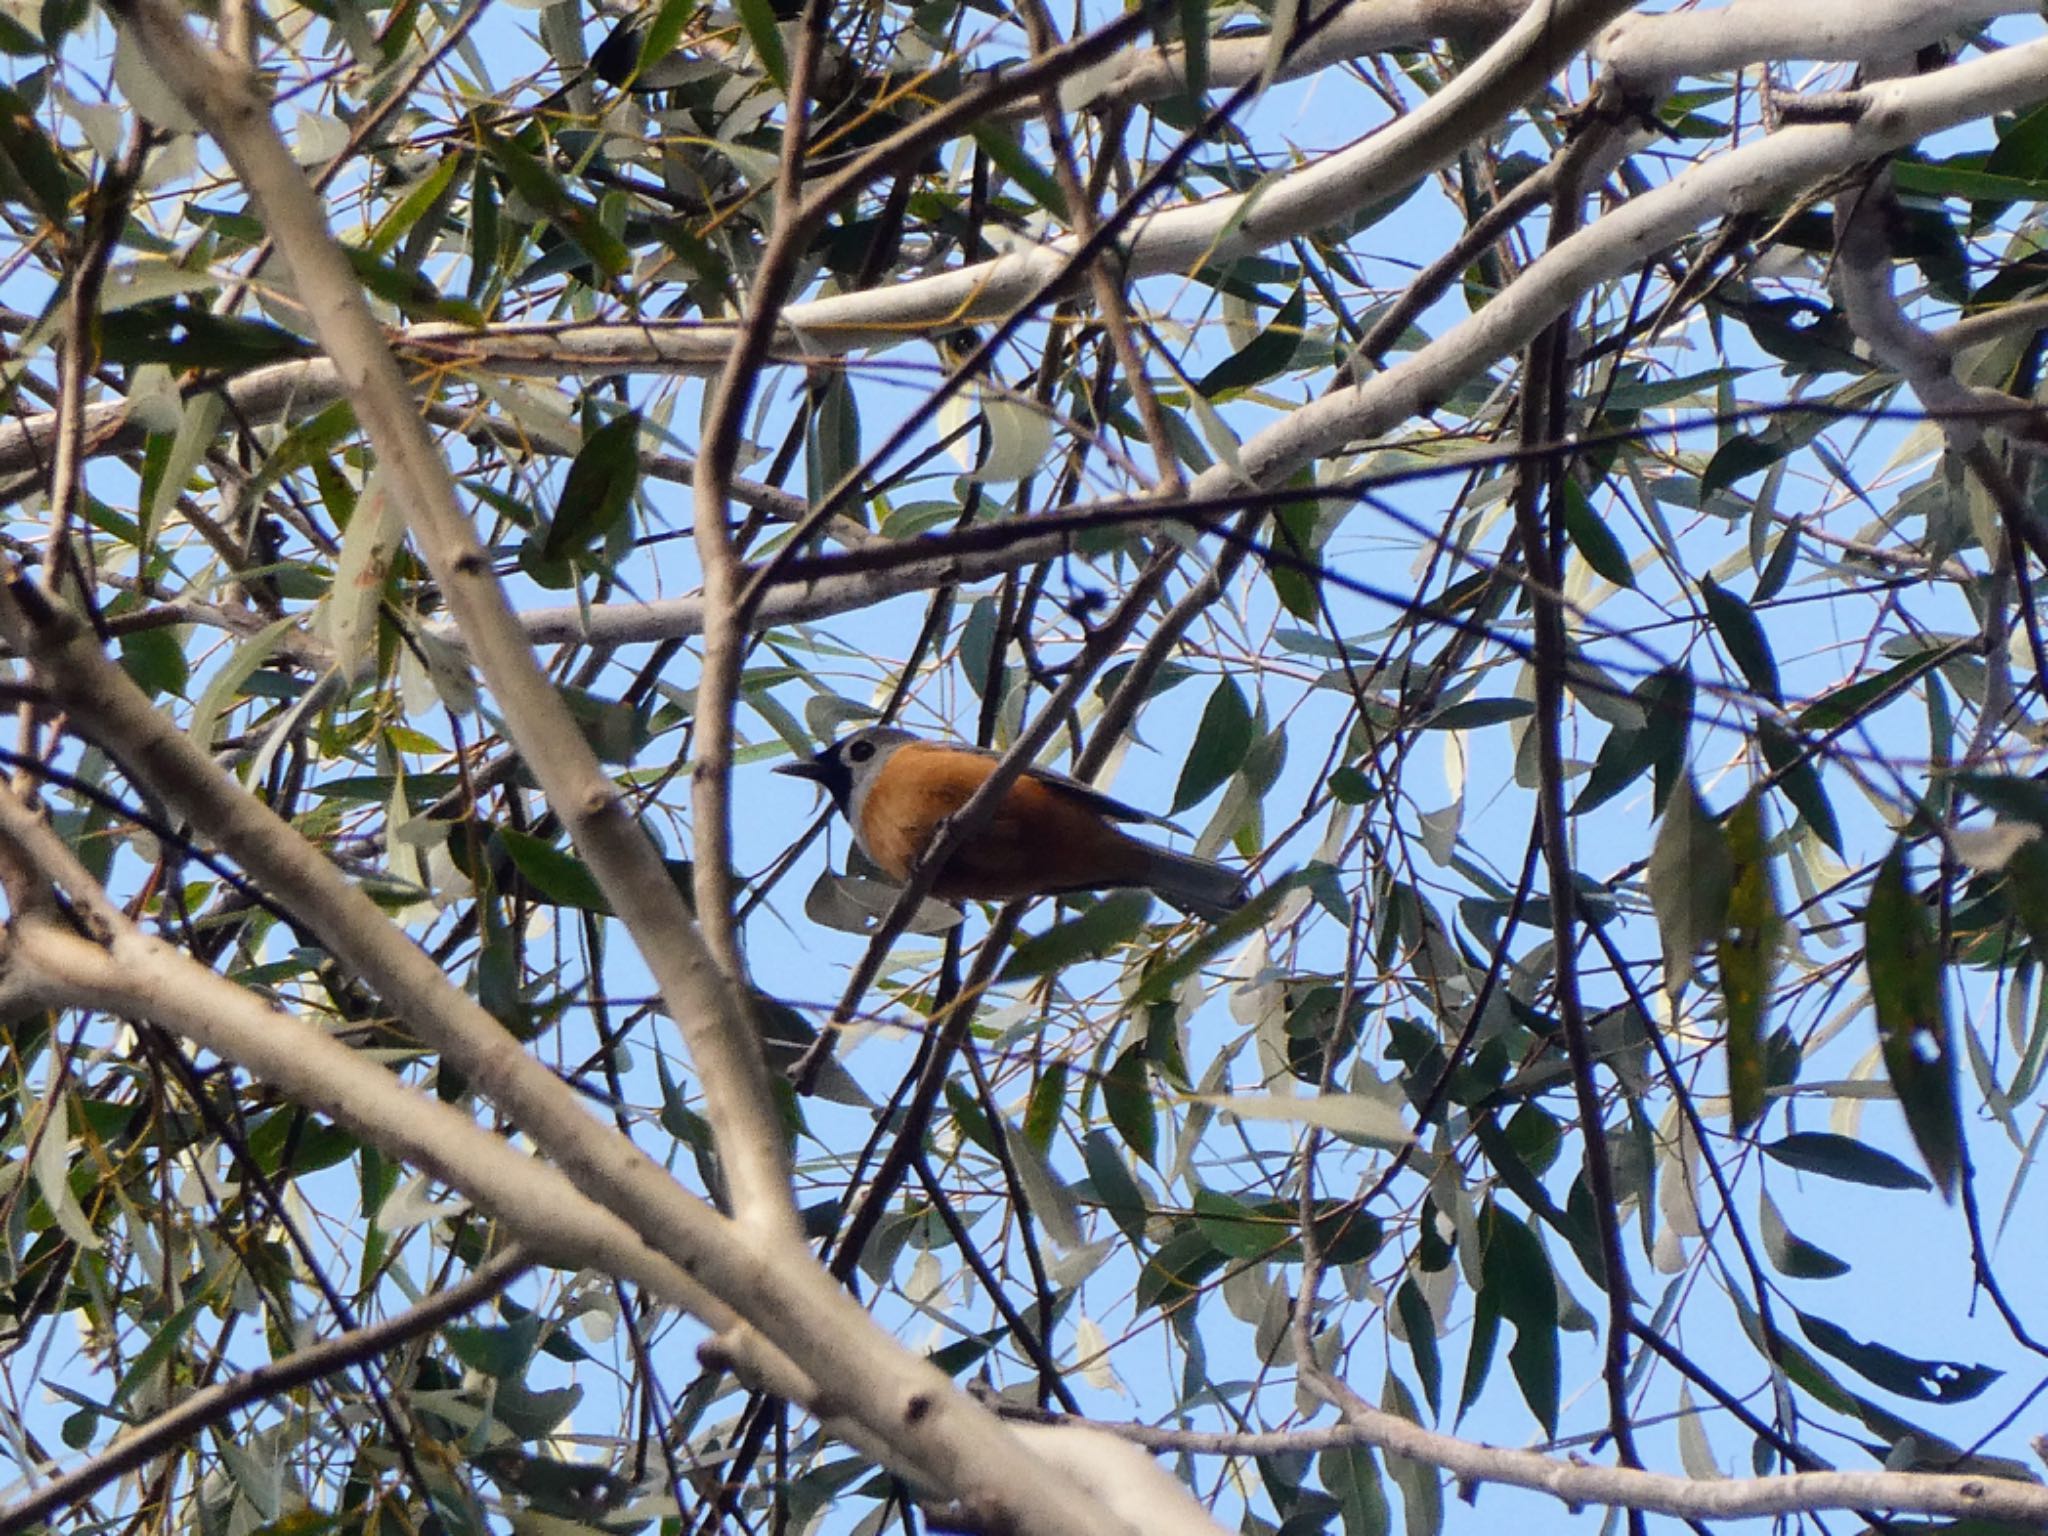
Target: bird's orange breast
1039 841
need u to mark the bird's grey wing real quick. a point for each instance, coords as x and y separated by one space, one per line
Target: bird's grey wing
1095 799
1086 794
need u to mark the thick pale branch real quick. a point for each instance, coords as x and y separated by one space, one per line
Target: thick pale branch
1651 50
1366 27
1577 1484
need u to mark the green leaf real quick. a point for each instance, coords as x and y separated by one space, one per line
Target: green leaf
543 190
157 1353
1516 1277
1624 757
1946 180
155 659
1351 1473
1115 1190
1743 635
1420 1326
1789 1253
2025 799
33 171
1926 1381
1485 1337
559 877
1174 1274
1298 531
18 42
758 17
411 208
1666 697
186 335
1127 1095
500 1350
409 290
665 31
1048 1100
1748 954
1422 1489
1473 714
1001 146
1690 875
1799 781
1194 39
1778 569
1266 356
832 436
1100 930
977 648
1239 1230
1343 1233
1843 1157
2026 884
1906 991
1593 539
597 490
1221 742
1161 979
1852 701
1740 457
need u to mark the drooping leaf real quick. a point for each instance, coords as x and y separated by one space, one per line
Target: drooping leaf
1748 955
1221 742
1743 634
1113 1187
1352 1474
1592 538
597 490
1690 874
1161 979
1421 1485
1127 1095
2024 799
1420 1326
1907 992
1800 781
1295 564
1194 43
758 17
1516 1276
31 170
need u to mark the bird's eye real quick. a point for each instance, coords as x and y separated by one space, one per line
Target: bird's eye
860 751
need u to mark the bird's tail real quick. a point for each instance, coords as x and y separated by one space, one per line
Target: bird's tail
1197 886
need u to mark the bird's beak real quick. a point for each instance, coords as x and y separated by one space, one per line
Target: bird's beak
816 772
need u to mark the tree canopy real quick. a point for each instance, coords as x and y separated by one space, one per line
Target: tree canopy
1553 492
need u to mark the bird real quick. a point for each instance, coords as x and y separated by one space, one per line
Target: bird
1049 835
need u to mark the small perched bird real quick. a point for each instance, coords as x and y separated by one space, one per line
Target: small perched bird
1050 834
